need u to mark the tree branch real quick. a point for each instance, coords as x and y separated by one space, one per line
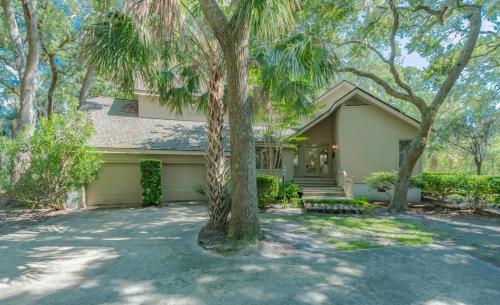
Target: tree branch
15 37
366 44
465 55
9 87
217 20
388 88
392 57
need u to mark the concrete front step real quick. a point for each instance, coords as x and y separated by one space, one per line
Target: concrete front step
326 197
322 188
314 181
323 194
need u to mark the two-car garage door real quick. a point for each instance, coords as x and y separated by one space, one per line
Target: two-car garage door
119 183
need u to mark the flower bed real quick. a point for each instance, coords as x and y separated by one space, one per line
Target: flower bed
337 206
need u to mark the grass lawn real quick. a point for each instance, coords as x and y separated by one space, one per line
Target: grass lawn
362 232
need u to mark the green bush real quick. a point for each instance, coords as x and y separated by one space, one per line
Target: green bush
478 191
382 181
289 192
58 161
439 186
495 188
151 181
267 189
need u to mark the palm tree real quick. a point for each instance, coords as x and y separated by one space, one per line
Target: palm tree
187 72
288 75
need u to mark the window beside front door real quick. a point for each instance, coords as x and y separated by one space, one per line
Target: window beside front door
262 157
404 145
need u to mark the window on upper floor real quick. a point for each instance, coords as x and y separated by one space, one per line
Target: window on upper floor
404 145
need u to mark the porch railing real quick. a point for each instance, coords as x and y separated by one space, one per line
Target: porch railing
347 184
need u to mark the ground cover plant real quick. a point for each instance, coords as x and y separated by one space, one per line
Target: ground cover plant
356 206
361 232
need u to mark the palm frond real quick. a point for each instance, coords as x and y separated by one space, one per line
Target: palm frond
120 50
165 15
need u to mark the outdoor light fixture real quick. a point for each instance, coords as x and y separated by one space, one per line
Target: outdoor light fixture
334 146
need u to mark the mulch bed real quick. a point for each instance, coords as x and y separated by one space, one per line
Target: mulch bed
13 219
435 207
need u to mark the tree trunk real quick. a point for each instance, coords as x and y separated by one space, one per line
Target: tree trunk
418 144
218 205
233 36
434 162
27 89
28 82
15 38
409 160
478 162
87 81
244 212
53 84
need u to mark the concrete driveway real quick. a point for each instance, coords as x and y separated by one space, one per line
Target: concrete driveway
150 256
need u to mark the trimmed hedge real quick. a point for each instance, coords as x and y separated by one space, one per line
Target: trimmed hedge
479 191
267 189
151 181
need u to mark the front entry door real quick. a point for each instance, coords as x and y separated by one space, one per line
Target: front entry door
317 161
312 160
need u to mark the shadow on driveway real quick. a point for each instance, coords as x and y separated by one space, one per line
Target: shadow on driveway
150 256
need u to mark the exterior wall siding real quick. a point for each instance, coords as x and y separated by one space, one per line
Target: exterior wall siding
150 107
370 140
362 189
119 180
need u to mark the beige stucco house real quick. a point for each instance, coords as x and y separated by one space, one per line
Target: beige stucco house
351 135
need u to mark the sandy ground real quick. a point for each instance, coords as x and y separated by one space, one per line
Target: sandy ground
150 256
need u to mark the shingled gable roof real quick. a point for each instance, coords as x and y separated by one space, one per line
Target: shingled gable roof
353 91
118 126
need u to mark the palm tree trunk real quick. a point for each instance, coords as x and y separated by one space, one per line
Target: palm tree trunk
218 207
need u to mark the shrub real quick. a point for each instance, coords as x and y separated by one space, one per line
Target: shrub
289 192
59 161
439 186
478 191
267 189
382 181
151 181
455 198
495 188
